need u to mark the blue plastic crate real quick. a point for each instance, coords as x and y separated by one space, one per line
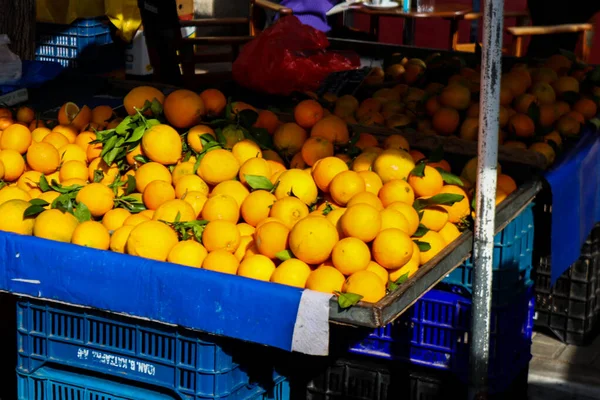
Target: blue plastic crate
435 333
55 384
192 364
66 44
512 262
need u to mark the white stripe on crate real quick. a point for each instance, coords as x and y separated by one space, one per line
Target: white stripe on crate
311 330
33 281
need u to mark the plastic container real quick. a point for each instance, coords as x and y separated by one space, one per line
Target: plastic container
436 333
571 309
512 268
184 363
81 43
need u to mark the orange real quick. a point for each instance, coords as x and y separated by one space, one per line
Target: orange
410 268
409 212
576 115
568 126
182 169
392 248
393 164
55 225
135 220
350 255
196 199
190 183
397 142
194 139
13 193
332 128
151 239
298 162
221 235
271 238
221 261
365 198
372 181
345 105
446 121
449 232
81 119
98 170
102 114
67 131
521 125
455 96
289 210
566 84
334 217
545 149
118 239
15 137
469 129
72 152
162 144
366 140
267 120
366 284
559 63
256 206
232 188
246 243
361 221
325 279
67 113
12 220
156 193
434 217
98 198
345 185
307 113
25 114
238 106
257 267
91 234
437 243
289 138
292 272
29 180
515 82
416 155
82 140
312 239
246 229
188 253
429 184
138 96
391 218
59 140
38 134
245 150
115 218
555 137
364 161
44 158
150 172
13 164
378 270
214 101
297 183
171 210
316 148
459 210
432 105
221 207
506 183
586 107
396 190
218 166
543 92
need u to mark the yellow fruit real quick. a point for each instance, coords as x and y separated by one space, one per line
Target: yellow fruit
271 238
91 234
437 243
183 108
152 239
55 225
136 219
292 272
157 193
434 217
429 184
350 255
70 152
396 190
378 270
58 140
506 183
14 165
449 232
221 207
98 198
298 183
391 218
162 144
409 212
410 268
365 198
138 96
189 253
361 221
392 248
29 180
367 284
13 193
325 170
221 235
190 183
257 267
173 209
232 188
221 261
246 150
218 166
345 185
246 229
115 218
459 210
289 210
254 167
16 137
196 200
393 164
289 138
312 239
194 137
182 169
373 182
246 243
149 172
12 217
44 158
73 170
118 240
325 279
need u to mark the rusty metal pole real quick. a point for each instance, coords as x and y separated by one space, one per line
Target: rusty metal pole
483 246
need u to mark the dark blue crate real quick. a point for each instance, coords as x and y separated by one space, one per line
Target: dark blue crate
192 364
512 262
55 384
435 333
67 44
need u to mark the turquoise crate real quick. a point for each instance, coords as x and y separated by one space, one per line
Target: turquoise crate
54 384
194 365
513 262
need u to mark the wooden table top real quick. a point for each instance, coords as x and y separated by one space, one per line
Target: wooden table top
439 11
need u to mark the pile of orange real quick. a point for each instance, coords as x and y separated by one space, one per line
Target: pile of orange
540 106
319 210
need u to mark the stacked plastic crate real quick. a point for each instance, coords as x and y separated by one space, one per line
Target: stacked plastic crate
72 353
427 348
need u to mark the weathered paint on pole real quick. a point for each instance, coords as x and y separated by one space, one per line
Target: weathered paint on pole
483 247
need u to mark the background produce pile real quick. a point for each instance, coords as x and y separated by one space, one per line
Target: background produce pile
206 183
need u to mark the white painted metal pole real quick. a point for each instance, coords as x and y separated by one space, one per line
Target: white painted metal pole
483 247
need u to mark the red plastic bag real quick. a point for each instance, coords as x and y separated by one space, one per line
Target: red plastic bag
286 57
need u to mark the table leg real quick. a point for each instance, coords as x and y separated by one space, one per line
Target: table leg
374 27
408 37
453 34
